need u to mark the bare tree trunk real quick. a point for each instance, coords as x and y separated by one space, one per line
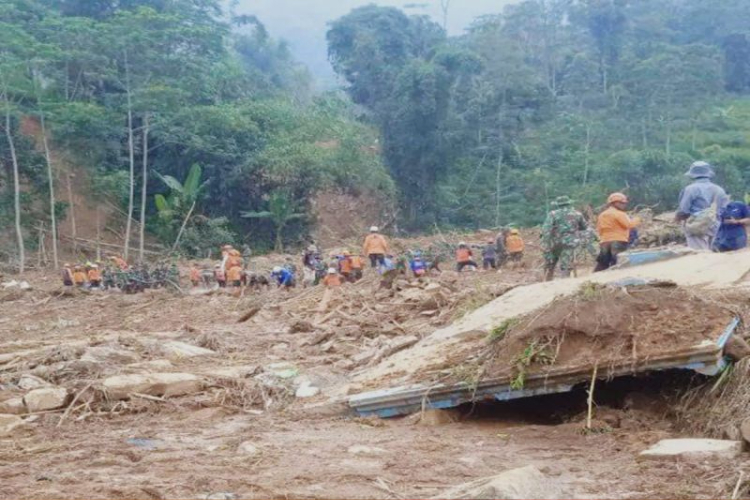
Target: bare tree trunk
51 181
16 187
694 138
144 188
587 151
131 152
445 6
645 135
182 228
98 234
74 232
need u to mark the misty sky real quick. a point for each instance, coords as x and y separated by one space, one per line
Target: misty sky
303 22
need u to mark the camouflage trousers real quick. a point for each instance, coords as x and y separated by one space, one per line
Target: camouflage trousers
560 254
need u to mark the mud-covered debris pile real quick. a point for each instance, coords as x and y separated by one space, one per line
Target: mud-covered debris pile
600 325
658 230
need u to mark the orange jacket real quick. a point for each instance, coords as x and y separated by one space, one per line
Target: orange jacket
195 274
356 261
79 277
346 265
332 280
514 243
95 275
615 225
463 255
234 259
234 273
120 262
375 243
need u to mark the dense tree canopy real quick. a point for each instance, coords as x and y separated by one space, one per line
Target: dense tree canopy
552 97
135 88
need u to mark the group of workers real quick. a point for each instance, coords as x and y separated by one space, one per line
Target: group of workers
711 222
90 275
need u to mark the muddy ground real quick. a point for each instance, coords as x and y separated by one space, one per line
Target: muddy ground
238 438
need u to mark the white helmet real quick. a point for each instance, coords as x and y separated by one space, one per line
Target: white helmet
277 270
374 229
332 270
462 243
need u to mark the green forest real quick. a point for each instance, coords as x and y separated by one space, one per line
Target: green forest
201 126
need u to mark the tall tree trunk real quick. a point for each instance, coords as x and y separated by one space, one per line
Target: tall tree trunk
16 187
280 238
587 151
98 234
144 188
644 133
131 154
51 181
72 215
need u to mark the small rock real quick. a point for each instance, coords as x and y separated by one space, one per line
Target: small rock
438 417
9 424
307 390
106 354
692 450
223 495
28 382
176 349
359 449
280 347
152 384
328 346
525 482
737 348
248 448
13 406
46 398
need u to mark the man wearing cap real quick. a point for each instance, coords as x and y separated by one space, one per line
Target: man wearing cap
699 204
375 247
613 226
560 235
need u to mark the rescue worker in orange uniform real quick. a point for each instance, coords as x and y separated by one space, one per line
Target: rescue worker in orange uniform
234 276
345 266
332 278
514 246
119 262
614 226
195 275
375 247
464 257
95 276
357 267
79 276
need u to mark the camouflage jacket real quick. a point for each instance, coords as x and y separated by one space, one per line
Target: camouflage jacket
563 227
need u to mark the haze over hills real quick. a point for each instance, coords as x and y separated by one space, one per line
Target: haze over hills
303 23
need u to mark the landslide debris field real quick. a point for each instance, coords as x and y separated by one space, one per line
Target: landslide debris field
214 395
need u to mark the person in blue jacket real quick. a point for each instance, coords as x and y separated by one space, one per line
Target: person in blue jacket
732 234
417 265
284 277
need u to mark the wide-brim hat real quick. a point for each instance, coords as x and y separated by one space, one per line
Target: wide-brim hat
700 169
563 201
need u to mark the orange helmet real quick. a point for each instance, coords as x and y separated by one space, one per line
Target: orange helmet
617 197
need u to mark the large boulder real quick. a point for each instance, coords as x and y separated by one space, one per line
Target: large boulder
692 450
525 482
152 384
46 398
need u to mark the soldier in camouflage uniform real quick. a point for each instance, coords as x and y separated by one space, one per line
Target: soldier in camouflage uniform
561 235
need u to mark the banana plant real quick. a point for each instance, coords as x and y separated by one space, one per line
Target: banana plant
281 211
181 196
